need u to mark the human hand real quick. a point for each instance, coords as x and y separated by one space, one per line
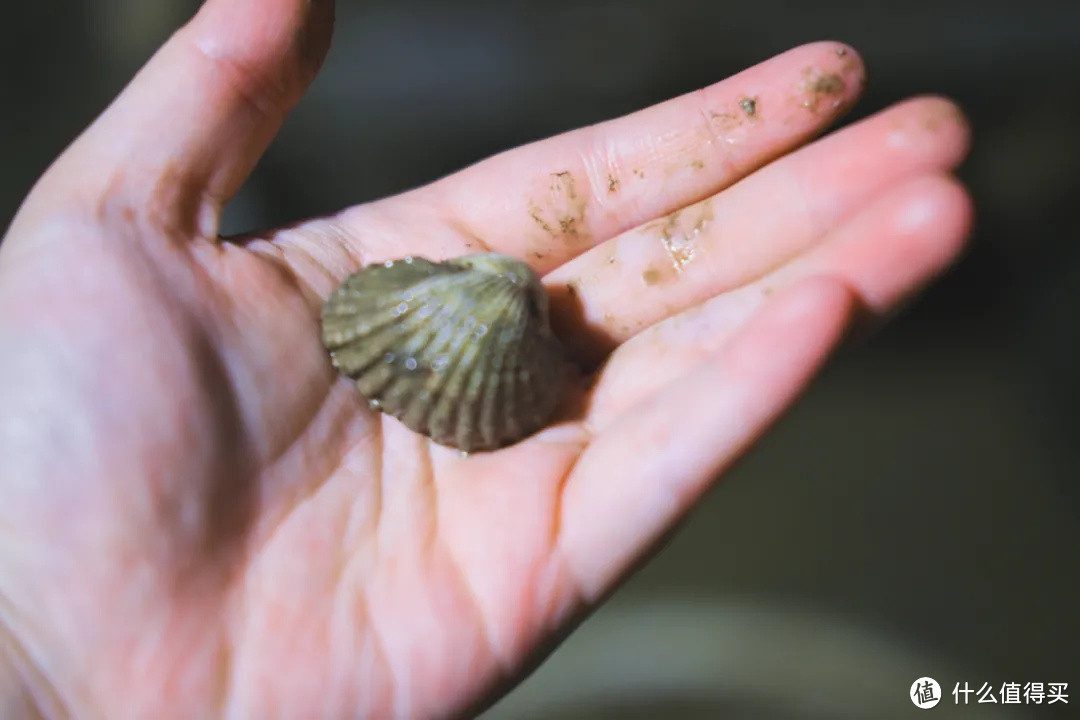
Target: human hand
200 518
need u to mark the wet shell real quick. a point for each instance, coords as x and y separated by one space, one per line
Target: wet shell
460 351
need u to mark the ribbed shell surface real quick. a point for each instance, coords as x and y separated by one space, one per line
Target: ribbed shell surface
460 351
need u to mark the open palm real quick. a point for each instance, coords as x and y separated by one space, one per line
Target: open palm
201 519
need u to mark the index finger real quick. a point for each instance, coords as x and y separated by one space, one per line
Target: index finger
549 201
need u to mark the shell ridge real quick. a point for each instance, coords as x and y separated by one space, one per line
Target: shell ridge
493 390
429 392
363 293
494 395
470 411
446 410
368 348
509 408
386 323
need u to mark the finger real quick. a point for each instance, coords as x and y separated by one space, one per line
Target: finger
885 253
547 201
186 132
641 474
657 270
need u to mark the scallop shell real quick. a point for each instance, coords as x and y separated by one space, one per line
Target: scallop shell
460 351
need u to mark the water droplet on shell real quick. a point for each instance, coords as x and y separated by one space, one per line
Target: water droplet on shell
460 351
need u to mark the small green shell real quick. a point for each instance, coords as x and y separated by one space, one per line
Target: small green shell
460 351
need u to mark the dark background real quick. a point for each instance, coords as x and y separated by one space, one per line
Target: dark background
919 511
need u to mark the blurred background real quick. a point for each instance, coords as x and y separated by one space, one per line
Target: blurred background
919 511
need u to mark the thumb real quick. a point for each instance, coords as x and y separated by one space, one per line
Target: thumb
179 141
